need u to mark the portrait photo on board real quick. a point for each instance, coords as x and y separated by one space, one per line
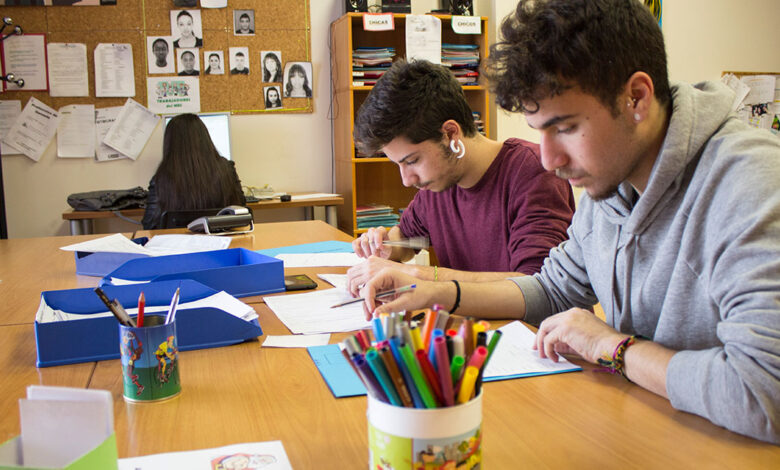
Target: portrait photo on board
272 66
213 61
239 61
160 54
186 28
188 63
243 22
273 97
298 80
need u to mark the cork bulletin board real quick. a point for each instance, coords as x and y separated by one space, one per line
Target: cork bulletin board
279 25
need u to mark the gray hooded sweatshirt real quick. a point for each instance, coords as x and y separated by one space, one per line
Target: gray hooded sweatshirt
693 264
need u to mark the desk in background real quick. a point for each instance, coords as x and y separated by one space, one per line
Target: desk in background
245 393
81 221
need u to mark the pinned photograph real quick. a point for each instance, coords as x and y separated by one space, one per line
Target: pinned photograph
160 54
214 61
273 97
187 28
239 61
243 22
297 80
188 64
272 66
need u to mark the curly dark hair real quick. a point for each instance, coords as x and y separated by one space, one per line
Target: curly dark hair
549 46
412 100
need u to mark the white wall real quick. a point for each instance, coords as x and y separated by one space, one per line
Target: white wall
293 152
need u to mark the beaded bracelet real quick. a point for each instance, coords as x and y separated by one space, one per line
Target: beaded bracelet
616 364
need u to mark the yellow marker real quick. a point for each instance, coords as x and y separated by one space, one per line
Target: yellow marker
477 328
416 338
486 324
467 384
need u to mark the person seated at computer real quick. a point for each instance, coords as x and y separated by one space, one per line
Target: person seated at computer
192 175
489 208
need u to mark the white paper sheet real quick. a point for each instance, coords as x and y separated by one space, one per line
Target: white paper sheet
310 313
173 95
339 281
114 74
213 3
34 129
423 38
159 245
306 260
303 197
104 119
57 430
513 355
132 129
67 69
266 455
296 341
25 57
739 87
76 131
762 88
9 112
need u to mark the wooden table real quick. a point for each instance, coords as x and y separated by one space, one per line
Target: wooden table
246 393
81 221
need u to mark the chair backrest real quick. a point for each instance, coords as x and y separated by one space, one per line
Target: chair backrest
179 219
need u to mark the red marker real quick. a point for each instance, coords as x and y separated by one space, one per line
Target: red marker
141 304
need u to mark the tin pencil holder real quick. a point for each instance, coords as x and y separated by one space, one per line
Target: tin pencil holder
150 360
435 438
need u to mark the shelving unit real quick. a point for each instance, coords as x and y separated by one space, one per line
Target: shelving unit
362 180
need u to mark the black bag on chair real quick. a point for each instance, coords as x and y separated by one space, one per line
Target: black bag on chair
108 199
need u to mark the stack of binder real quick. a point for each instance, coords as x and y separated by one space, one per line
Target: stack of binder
369 63
375 215
463 61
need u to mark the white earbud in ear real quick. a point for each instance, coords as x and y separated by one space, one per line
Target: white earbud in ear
458 148
637 117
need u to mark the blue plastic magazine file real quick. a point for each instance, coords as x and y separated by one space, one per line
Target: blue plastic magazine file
339 376
237 271
512 359
101 263
331 246
74 325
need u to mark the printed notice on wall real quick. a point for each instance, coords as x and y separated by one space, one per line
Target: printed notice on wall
114 75
76 131
9 112
25 57
67 69
423 38
34 129
132 129
104 119
467 24
173 95
378 22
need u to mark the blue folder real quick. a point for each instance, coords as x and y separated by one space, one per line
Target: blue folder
237 271
338 374
96 339
331 246
101 263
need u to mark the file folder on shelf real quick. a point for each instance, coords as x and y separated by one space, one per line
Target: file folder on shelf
101 263
237 271
97 338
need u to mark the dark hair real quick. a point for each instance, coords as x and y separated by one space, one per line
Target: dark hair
268 103
278 75
162 40
244 15
192 174
549 46
298 68
187 52
239 53
184 13
411 100
213 54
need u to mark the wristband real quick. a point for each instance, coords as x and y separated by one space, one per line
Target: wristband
435 273
616 364
457 297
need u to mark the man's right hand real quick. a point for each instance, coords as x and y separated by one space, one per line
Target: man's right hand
370 244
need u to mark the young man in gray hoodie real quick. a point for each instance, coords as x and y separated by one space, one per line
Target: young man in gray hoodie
678 237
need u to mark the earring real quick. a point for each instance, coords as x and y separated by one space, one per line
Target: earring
458 148
637 117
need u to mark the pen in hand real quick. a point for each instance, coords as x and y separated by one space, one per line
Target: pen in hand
415 243
386 293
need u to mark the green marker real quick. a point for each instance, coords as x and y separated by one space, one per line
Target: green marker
419 381
455 368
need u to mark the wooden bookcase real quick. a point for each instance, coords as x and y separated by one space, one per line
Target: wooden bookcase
363 180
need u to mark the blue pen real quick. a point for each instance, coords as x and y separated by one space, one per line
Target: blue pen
379 333
378 368
431 353
395 344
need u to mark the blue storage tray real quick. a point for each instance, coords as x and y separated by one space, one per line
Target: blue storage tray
237 271
97 339
101 263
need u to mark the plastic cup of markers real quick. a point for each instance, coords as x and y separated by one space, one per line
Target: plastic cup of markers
435 438
150 360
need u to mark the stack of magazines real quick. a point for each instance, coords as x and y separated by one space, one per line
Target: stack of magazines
375 215
463 61
369 63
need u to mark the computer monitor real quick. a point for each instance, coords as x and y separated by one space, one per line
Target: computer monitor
218 125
